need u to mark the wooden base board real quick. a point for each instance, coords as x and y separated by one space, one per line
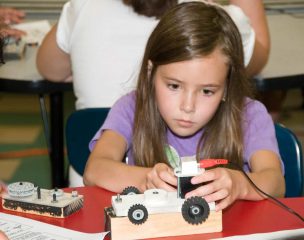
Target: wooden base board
160 225
63 207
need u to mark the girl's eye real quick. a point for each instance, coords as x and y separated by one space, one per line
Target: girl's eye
173 86
207 92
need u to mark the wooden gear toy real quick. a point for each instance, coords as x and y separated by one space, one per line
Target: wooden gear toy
25 197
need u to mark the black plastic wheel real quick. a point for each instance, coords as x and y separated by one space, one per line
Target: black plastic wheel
195 210
138 214
130 190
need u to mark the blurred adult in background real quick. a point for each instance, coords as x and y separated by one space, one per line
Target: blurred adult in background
1 62
1 47
2 186
10 16
99 59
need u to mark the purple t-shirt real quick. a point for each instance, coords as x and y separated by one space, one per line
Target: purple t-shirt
259 132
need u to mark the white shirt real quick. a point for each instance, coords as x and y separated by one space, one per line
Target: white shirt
106 41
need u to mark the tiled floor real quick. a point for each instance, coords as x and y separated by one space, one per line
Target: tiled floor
23 149
21 131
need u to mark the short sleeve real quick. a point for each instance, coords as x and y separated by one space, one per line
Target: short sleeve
247 33
120 119
259 131
67 22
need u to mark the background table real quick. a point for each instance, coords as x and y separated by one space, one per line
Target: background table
244 217
21 76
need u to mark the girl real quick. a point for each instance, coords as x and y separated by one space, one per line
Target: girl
122 36
191 96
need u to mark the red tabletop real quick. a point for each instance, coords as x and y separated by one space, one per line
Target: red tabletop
243 217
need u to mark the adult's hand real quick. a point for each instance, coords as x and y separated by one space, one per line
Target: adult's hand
3 236
7 31
11 15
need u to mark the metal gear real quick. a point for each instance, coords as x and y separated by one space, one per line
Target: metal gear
138 214
130 190
195 210
21 189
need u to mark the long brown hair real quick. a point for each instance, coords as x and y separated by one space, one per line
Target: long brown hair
151 8
188 31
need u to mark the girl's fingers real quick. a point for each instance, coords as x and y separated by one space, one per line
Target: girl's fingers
202 191
222 204
217 196
168 178
207 176
150 185
159 183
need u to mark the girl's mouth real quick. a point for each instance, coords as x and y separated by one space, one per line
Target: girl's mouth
185 123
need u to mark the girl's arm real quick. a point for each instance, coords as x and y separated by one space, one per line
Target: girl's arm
266 174
229 185
53 63
256 13
106 169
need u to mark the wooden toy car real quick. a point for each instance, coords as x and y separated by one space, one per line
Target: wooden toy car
137 207
155 212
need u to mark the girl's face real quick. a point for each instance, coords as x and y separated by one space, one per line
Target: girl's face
188 93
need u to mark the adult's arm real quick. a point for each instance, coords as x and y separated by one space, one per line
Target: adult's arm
256 13
53 63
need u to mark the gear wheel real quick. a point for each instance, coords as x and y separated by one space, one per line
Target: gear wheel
195 210
130 190
21 189
138 214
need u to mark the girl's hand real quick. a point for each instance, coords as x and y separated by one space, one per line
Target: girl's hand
161 176
221 186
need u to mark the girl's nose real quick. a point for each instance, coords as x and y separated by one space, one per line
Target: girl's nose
188 103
